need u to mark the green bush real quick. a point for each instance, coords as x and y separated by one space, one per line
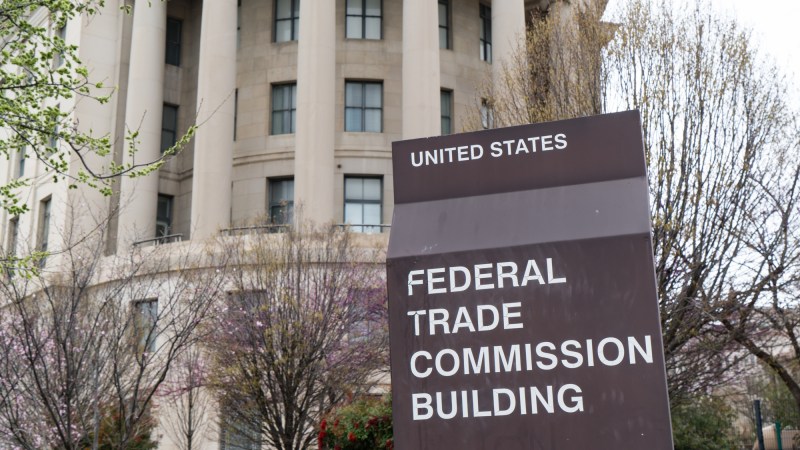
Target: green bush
703 423
365 424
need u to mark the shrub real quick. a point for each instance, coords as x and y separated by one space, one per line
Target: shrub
365 424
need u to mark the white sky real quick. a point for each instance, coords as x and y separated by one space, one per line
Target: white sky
775 25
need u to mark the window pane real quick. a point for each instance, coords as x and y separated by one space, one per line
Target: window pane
442 15
372 214
287 97
296 31
354 28
443 38
353 214
446 127
296 8
277 97
277 123
173 48
283 9
446 103
352 119
373 95
354 188
353 95
169 117
167 139
372 120
373 8
373 30
372 188
293 95
283 31
354 7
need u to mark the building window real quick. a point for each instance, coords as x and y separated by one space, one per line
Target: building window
284 106
164 215
447 111
13 235
169 126
487 114
173 52
363 19
236 433
235 112
54 136
363 199
287 20
145 321
363 106
486 33
21 157
61 34
44 224
444 24
281 201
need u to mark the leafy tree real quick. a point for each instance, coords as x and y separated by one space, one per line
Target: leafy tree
703 423
40 73
304 326
722 150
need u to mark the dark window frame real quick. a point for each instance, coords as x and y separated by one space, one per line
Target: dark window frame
280 210
363 18
362 128
364 227
448 117
293 19
169 218
43 230
172 52
486 33
20 166
448 40
164 126
291 111
13 235
146 324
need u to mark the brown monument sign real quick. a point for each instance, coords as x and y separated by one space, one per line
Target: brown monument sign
522 299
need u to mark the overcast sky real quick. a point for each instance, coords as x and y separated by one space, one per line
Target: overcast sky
776 28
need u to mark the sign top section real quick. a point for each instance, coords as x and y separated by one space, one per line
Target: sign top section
567 152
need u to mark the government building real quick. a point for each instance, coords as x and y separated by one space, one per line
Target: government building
296 103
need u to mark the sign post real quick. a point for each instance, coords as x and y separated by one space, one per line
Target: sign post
522 297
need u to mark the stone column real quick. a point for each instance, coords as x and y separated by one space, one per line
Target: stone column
508 32
145 100
213 142
314 166
421 74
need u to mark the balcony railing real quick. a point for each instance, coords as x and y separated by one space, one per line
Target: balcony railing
167 239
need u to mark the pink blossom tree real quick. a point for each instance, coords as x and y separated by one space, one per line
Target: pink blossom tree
87 340
304 326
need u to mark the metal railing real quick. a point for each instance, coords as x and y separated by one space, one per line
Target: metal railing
166 239
360 227
271 228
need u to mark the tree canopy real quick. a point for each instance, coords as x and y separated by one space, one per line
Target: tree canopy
41 74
